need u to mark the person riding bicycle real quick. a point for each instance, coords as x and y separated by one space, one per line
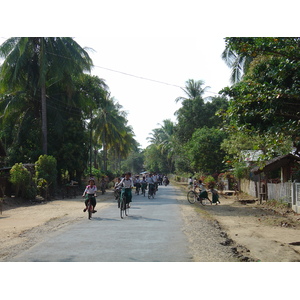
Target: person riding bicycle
151 184
90 190
155 179
137 184
126 184
144 184
117 188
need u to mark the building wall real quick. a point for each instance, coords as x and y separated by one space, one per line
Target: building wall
276 191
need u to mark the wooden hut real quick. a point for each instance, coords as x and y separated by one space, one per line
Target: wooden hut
284 163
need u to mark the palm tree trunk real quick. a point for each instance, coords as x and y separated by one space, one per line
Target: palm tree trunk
104 157
44 119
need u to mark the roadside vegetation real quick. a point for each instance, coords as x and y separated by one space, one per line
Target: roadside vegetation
51 106
260 111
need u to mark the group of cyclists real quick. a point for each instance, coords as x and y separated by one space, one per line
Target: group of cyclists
124 186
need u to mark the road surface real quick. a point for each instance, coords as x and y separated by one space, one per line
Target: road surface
151 233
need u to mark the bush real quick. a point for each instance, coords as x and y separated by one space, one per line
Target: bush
20 177
46 173
210 182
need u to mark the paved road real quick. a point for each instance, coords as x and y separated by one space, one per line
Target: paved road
151 233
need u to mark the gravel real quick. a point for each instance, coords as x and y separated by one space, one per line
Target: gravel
208 242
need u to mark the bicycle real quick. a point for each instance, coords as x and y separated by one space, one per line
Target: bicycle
117 194
124 208
144 187
137 189
90 207
193 196
151 191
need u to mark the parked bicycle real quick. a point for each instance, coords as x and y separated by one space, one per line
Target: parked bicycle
201 197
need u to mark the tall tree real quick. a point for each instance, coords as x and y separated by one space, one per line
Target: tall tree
165 141
109 124
39 62
238 62
266 101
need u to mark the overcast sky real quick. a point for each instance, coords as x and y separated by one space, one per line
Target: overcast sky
171 61
166 41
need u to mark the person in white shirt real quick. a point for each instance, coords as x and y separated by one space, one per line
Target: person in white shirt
155 179
151 183
90 191
137 185
117 189
126 184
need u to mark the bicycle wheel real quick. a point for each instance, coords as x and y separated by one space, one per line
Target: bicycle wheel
205 201
192 197
123 207
90 211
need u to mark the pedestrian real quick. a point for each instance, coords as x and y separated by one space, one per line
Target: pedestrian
190 182
215 196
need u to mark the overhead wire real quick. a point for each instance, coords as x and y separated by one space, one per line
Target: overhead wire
132 75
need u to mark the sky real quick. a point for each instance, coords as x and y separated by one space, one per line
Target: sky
164 40
146 74
167 62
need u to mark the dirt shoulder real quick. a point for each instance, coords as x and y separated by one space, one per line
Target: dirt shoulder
24 224
261 233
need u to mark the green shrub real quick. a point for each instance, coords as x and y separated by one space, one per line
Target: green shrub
20 177
46 173
210 182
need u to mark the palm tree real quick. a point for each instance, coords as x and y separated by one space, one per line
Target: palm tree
109 125
238 63
164 139
39 62
193 89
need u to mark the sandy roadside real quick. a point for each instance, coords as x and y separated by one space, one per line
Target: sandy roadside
22 226
263 234
260 233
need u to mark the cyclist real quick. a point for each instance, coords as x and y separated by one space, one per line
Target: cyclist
155 179
90 190
144 184
137 185
117 189
126 184
151 184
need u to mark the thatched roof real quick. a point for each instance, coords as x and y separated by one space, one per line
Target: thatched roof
276 163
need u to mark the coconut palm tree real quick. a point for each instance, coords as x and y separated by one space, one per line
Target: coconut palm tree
109 125
193 89
238 63
39 62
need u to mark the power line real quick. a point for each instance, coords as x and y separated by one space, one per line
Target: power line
132 75
139 77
